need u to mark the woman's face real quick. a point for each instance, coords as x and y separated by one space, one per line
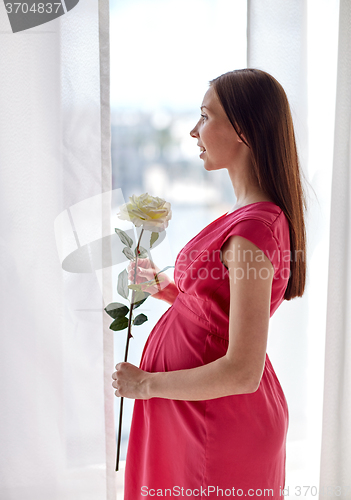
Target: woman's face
219 143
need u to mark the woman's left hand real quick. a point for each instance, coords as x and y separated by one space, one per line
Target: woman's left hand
130 381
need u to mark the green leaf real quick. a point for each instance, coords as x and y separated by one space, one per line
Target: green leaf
116 310
124 237
154 237
128 253
139 298
142 252
119 324
137 288
140 319
122 284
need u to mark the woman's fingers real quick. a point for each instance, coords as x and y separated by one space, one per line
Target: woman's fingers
140 271
141 263
145 269
144 264
143 274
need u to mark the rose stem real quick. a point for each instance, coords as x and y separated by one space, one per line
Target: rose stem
129 335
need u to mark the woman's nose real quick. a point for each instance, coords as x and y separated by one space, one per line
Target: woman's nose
193 132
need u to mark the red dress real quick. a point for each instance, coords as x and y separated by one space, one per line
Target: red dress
217 447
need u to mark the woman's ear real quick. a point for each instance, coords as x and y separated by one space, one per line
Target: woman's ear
242 138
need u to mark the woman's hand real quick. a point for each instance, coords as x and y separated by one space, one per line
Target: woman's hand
146 271
130 381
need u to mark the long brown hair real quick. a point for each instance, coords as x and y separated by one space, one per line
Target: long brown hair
259 111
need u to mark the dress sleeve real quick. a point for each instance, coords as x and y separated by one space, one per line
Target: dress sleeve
261 235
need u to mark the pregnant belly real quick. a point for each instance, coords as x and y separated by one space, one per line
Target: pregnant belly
175 343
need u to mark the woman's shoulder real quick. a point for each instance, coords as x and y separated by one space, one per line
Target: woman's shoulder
265 211
263 223
258 215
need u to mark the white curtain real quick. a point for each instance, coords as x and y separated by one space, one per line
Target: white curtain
336 441
56 418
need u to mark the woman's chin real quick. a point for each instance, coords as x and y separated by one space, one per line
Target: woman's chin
209 166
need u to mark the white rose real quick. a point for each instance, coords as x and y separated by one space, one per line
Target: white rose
151 212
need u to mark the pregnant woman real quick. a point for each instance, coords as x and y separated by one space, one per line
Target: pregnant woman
210 417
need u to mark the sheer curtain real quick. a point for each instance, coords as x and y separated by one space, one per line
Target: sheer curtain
56 419
336 442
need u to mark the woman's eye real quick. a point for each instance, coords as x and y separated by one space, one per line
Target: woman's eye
204 116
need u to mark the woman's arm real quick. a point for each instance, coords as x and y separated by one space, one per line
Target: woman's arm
240 370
